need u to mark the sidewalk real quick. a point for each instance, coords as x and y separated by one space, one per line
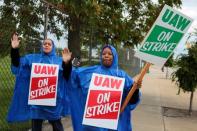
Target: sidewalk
158 108
159 92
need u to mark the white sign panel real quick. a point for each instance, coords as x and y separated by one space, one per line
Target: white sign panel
43 84
103 101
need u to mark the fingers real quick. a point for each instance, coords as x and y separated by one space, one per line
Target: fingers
14 36
15 40
139 83
66 51
66 54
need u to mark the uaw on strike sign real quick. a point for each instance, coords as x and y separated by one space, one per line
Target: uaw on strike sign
103 101
43 84
164 36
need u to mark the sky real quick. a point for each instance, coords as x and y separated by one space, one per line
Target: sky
189 8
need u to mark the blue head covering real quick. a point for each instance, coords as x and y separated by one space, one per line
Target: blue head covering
115 56
80 82
48 58
52 53
19 109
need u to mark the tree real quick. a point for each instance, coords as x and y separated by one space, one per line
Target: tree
20 16
186 74
126 20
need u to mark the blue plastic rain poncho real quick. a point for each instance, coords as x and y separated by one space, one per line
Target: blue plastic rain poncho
80 81
19 109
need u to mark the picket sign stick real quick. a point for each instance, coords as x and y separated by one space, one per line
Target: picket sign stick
134 87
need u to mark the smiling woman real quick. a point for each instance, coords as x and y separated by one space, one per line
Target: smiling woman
22 108
47 46
107 104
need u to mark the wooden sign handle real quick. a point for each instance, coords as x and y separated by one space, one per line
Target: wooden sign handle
134 87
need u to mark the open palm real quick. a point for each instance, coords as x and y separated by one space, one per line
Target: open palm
15 41
66 55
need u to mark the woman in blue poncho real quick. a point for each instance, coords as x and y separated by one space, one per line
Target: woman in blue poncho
80 81
21 68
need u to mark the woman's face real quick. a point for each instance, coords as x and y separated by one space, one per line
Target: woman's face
47 46
107 57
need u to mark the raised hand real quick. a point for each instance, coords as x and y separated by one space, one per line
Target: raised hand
15 41
66 55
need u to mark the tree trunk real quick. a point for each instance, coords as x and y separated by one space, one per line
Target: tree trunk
191 103
74 37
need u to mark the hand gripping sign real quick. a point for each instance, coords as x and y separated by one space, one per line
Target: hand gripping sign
43 84
164 36
161 40
103 101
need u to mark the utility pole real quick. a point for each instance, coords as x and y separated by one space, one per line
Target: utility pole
46 21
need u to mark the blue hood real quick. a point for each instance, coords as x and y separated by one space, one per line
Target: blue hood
80 82
52 53
19 109
115 56
49 58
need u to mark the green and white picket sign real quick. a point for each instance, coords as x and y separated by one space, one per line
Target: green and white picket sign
164 36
